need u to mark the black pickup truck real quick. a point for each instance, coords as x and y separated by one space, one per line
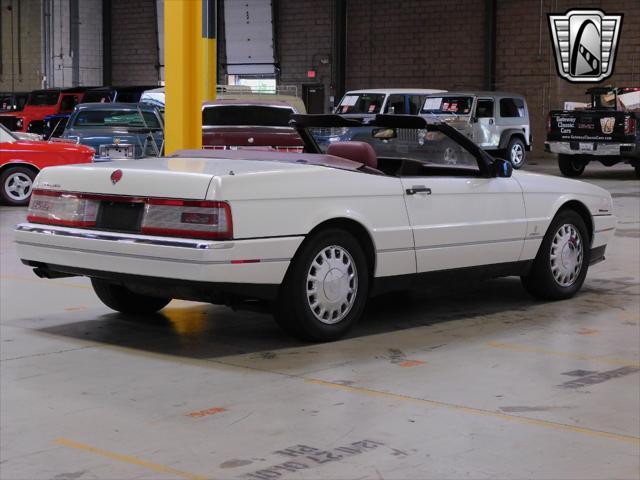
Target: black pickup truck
607 131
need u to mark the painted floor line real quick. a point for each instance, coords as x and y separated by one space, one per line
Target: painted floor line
129 459
515 347
478 411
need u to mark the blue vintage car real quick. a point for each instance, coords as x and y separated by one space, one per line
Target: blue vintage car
54 125
117 130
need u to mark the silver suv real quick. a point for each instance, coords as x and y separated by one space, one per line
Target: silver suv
495 121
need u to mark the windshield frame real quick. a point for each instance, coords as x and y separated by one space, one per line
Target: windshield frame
72 123
302 123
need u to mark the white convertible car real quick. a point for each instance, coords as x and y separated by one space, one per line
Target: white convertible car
313 235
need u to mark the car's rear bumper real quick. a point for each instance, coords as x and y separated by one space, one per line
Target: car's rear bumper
601 148
252 261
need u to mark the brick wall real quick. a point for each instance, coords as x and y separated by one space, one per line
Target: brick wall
304 34
29 40
134 44
428 44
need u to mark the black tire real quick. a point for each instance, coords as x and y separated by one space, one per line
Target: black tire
121 299
293 310
516 153
541 282
571 165
12 195
637 169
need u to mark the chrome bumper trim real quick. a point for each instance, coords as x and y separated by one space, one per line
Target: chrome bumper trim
123 237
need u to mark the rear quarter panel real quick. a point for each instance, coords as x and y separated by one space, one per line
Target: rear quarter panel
295 202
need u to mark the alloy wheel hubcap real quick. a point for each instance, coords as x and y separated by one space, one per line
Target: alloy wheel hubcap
566 255
517 154
18 186
332 284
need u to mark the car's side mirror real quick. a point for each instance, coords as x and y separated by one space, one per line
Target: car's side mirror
502 168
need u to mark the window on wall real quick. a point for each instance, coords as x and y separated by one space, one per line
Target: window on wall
511 107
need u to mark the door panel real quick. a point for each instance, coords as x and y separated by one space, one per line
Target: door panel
486 134
465 221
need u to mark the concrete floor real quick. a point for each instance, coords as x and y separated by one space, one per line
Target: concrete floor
474 381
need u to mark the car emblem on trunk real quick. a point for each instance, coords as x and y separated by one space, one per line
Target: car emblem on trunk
585 44
116 176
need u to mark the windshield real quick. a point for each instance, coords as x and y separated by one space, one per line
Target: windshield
115 118
429 148
6 136
43 98
368 103
447 105
246 115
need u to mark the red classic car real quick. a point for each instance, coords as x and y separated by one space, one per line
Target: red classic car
21 160
230 124
42 103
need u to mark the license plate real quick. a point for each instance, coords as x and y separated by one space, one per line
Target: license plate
116 151
120 216
584 146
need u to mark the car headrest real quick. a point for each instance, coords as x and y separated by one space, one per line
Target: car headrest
360 152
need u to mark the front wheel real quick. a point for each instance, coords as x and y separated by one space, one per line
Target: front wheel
561 265
16 184
121 299
571 165
517 152
325 291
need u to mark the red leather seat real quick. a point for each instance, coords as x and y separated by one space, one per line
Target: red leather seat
360 152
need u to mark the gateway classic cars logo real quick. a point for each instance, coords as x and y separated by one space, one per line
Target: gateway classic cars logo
585 44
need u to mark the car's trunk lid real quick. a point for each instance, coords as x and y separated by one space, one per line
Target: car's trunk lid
157 177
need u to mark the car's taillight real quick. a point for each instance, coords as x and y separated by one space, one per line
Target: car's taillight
629 125
549 123
188 218
164 217
60 208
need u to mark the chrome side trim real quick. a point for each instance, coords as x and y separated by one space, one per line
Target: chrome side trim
464 244
123 237
149 257
485 242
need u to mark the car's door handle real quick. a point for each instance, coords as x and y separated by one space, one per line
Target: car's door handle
418 189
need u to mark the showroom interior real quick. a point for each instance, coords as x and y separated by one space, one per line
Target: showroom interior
437 201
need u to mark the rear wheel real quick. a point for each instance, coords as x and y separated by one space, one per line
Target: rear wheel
516 152
325 291
571 165
16 184
561 265
121 299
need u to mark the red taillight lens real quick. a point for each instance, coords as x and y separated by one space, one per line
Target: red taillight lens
629 125
548 123
60 208
188 218
165 217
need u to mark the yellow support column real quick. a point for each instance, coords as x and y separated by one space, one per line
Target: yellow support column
209 16
184 73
